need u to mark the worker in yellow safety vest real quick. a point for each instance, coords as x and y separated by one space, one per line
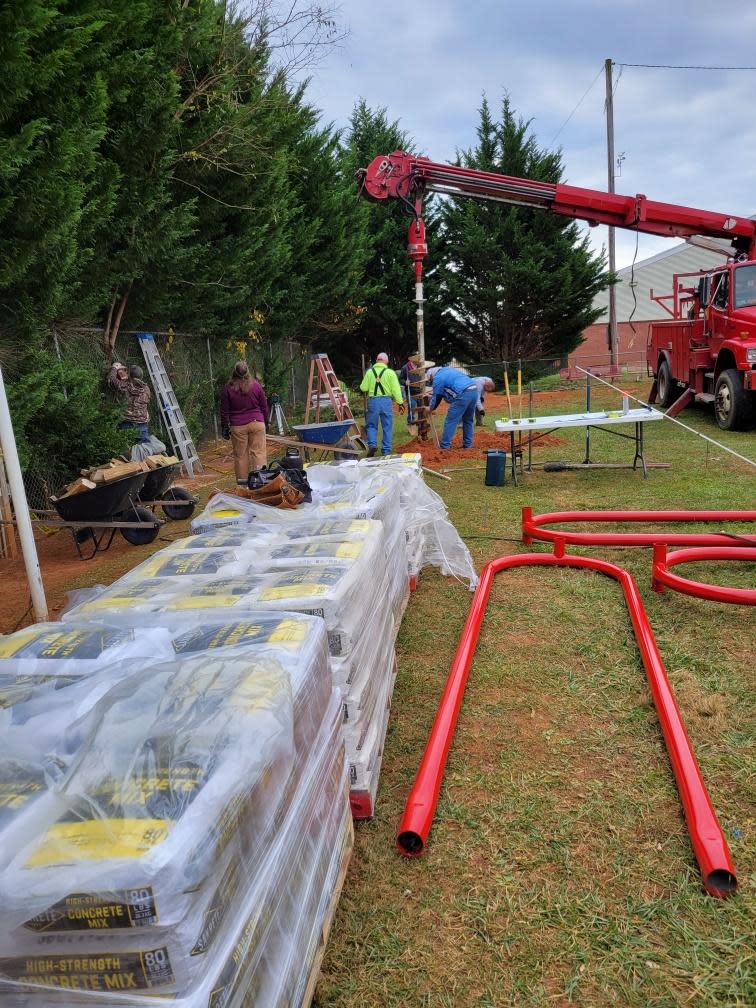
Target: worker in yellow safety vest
382 386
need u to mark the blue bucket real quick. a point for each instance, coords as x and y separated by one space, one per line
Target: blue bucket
496 467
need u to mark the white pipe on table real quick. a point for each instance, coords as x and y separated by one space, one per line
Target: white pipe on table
18 496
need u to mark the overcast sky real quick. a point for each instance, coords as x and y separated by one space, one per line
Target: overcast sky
686 136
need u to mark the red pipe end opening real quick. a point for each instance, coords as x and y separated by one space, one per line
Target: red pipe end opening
721 883
410 843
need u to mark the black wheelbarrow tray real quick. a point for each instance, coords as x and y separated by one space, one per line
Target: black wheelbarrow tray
98 514
176 502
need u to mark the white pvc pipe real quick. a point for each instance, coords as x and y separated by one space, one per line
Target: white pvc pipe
18 496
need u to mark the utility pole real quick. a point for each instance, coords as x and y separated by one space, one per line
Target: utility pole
613 340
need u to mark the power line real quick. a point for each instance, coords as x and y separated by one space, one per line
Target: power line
667 66
601 70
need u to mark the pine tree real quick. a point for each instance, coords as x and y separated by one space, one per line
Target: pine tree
53 109
389 322
516 282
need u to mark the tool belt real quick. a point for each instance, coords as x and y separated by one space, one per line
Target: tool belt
276 487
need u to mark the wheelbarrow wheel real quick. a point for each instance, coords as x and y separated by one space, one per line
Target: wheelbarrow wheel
178 511
139 536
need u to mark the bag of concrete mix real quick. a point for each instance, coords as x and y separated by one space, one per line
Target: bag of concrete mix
246 537
190 565
110 603
211 956
333 594
184 757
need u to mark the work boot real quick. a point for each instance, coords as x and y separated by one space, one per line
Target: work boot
370 452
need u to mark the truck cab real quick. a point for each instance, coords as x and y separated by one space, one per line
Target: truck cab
710 349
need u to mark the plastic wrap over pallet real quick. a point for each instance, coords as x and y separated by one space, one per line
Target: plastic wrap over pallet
228 509
223 511
182 757
215 956
335 594
432 539
246 537
112 603
364 746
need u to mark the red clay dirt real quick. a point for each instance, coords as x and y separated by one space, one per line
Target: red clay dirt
484 438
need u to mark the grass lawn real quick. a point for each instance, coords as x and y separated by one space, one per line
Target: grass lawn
559 869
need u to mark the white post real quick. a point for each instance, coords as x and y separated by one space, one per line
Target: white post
18 496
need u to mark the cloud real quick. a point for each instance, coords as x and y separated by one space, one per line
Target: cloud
688 136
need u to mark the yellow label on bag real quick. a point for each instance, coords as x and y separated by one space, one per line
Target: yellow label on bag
349 551
225 513
289 631
204 602
98 840
11 645
292 591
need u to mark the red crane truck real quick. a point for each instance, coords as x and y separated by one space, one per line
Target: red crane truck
707 351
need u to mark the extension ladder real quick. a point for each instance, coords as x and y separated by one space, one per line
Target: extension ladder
178 432
322 384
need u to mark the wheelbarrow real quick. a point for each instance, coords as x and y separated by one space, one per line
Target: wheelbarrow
330 435
96 515
176 502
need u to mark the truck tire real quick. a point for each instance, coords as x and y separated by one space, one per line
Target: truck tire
732 404
668 389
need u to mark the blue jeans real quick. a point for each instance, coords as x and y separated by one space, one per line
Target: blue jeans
142 430
462 409
379 408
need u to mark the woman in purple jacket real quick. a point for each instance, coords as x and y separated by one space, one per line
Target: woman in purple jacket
244 418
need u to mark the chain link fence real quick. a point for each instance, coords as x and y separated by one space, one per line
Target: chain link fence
198 368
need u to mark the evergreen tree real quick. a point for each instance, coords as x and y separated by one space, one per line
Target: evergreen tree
517 282
389 321
53 109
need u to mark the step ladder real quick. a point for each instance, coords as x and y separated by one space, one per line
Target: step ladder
323 384
173 418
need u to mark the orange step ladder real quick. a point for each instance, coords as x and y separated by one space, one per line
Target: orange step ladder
324 385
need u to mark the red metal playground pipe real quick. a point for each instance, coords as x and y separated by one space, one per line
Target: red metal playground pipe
706 835
532 528
662 577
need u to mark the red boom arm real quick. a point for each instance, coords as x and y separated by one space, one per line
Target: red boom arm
406 177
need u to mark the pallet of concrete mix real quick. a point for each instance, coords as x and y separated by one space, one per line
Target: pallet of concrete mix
360 674
174 961
185 756
299 643
364 745
337 595
223 963
285 968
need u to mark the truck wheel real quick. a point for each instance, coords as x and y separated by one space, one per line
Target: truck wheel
668 389
732 404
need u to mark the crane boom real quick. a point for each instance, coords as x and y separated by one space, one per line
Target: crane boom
406 177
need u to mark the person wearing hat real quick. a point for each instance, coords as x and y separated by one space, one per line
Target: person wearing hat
461 392
244 419
382 388
128 384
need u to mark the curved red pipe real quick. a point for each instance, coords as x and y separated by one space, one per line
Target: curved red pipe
532 527
708 841
662 577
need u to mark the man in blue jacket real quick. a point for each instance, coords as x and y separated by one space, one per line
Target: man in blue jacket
461 392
